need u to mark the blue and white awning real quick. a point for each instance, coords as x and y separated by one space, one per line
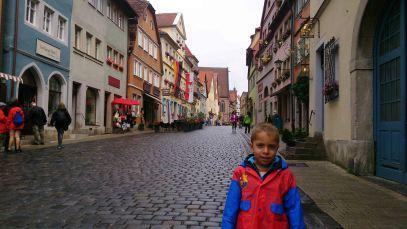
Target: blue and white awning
10 77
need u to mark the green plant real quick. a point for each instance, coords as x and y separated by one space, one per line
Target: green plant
301 89
287 137
300 133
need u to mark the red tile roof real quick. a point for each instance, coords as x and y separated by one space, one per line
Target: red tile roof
222 78
139 6
166 19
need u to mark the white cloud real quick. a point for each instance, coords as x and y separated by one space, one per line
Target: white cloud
218 32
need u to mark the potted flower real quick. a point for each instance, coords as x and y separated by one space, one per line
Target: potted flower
331 90
121 68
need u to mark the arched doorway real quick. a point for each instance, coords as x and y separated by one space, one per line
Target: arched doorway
390 93
27 92
91 99
55 93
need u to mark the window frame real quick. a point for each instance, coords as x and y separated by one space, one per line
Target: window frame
48 15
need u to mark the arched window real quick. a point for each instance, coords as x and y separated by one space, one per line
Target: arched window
91 97
266 92
54 94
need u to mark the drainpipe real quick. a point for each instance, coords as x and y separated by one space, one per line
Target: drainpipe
292 69
15 47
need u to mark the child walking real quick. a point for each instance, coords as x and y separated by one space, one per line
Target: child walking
263 192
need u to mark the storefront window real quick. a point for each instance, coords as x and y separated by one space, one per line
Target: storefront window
54 94
90 117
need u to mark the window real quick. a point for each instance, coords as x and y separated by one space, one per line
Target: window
120 20
109 9
145 74
135 68
88 43
109 52
31 11
141 71
78 35
151 48
150 77
155 51
99 5
61 28
140 38
114 14
145 43
115 57
121 58
97 48
90 115
46 25
54 94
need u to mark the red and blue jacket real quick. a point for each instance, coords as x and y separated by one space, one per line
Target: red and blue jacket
271 201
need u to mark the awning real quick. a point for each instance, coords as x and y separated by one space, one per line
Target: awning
128 102
10 77
157 100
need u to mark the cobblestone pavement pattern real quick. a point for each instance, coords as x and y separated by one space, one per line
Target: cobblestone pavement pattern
166 180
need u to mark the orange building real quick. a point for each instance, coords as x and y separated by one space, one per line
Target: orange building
145 63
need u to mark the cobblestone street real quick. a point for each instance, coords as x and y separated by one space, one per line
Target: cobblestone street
151 180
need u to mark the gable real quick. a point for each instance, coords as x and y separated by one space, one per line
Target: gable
180 25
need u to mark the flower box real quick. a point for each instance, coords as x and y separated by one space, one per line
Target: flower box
331 90
121 68
109 61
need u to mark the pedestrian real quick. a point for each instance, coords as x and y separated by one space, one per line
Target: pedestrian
37 117
263 192
247 121
61 120
276 120
15 123
233 120
3 129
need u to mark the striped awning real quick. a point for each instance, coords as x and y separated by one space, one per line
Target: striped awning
10 77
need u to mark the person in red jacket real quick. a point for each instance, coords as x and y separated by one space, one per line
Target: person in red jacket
15 123
3 127
263 192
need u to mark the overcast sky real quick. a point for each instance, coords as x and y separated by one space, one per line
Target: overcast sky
218 32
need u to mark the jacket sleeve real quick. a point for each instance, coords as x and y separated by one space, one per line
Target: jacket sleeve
292 205
68 118
3 118
232 205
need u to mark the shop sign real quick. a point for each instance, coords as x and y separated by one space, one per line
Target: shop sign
49 51
114 82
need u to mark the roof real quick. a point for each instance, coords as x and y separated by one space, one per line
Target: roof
207 77
189 53
166 19
139 6
223 80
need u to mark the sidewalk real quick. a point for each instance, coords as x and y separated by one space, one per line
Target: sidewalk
352 201
54 143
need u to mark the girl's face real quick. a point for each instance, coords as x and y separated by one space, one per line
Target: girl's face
264 148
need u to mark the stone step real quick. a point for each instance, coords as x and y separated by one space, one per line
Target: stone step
306 144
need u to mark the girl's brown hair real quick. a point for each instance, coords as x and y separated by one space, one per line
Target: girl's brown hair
265 127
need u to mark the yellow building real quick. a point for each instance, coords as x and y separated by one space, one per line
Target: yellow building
358 84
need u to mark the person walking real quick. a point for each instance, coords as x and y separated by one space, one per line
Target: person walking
277 121
61 120
15 123
37 117
233 120
3 129
247 122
